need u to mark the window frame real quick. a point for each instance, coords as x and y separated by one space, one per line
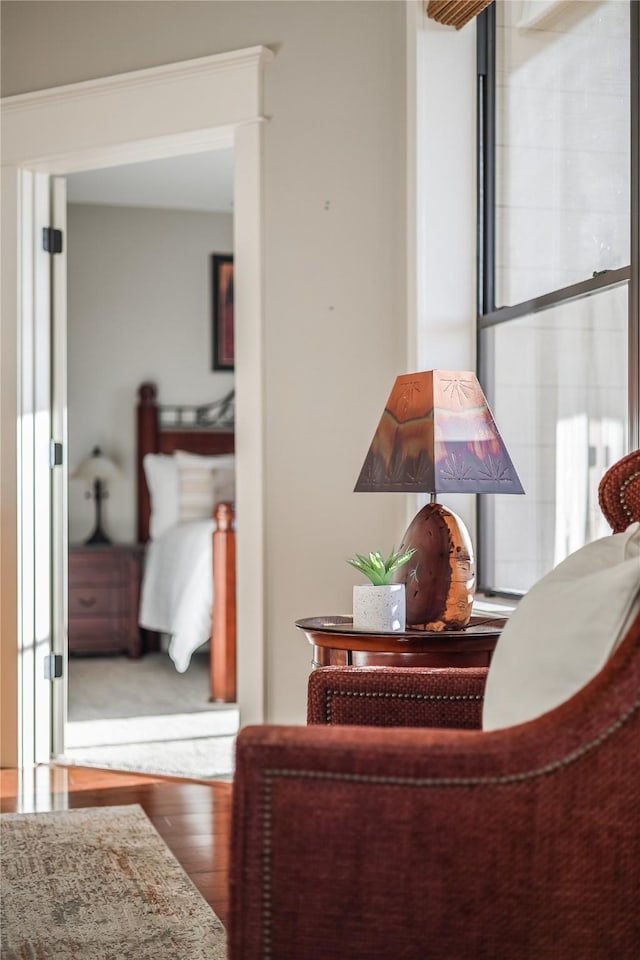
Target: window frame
488 315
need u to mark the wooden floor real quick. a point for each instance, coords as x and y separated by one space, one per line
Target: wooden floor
192 818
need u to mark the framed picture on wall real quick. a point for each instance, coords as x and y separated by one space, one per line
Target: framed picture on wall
222 311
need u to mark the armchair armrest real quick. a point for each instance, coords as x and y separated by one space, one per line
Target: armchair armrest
397 696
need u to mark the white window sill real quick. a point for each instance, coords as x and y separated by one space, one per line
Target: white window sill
494 606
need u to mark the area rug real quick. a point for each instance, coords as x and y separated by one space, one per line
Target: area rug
205 758
198 745
98 884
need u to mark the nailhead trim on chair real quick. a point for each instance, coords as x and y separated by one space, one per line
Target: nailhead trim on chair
619 492
266 870
623 503
390 695
271 775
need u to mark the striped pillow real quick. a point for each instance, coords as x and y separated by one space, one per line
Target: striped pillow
161 475
203 482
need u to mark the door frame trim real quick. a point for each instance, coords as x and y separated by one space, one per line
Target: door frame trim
163 111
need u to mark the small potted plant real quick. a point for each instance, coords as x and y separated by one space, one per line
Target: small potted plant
380 604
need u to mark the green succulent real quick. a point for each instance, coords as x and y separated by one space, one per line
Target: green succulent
377 569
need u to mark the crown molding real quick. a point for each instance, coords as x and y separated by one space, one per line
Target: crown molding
167 73
66 129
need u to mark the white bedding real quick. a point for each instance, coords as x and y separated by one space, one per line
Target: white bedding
177 588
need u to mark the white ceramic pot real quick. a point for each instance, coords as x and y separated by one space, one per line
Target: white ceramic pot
379 608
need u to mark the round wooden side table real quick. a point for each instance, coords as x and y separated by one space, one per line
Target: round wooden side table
336 643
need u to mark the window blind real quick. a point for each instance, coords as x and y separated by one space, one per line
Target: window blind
455 13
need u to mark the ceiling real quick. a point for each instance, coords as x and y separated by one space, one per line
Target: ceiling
198 181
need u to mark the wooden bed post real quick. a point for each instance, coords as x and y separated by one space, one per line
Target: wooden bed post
223 628
147 443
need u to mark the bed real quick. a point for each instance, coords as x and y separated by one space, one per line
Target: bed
188 587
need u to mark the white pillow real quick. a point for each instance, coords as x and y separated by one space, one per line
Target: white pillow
203 482
161 474
564 630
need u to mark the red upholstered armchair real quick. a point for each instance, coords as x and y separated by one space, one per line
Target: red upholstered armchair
432 839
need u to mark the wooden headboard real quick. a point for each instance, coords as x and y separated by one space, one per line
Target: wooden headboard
205 429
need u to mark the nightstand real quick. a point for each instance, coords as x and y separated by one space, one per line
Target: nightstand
104 591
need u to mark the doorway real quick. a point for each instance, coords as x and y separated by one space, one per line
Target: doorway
149 114
139 243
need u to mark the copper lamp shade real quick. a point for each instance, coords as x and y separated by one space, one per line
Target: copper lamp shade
437 435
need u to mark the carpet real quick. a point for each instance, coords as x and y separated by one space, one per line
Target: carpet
109 687
99 884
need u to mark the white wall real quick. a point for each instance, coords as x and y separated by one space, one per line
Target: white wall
139 308
447 170
445 218
335 293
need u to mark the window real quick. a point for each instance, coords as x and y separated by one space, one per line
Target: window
558 327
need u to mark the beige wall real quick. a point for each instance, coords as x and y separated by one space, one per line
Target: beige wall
335 327
139 308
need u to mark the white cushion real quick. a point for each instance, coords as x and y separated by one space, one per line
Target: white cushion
564 630
161 474
203 482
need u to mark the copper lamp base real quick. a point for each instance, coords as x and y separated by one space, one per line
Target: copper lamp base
440 578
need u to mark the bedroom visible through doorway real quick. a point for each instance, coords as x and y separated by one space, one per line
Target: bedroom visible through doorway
140 242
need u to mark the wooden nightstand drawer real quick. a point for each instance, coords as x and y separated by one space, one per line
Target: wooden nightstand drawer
88 601
92 566
104 590
101 635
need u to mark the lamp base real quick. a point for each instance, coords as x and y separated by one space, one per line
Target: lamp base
97 537
440 578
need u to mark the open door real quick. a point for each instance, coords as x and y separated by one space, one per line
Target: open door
59 472
41 471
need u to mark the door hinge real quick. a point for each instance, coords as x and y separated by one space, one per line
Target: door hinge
51 240
53 666
55 453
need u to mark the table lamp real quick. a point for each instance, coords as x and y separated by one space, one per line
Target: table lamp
437 435
97 470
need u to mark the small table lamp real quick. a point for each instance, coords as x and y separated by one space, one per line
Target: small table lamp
97 470
437 435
